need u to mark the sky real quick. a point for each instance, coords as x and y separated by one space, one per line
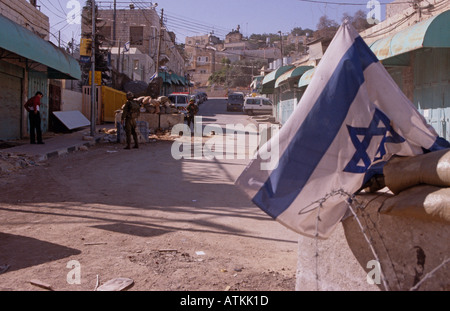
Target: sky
199 17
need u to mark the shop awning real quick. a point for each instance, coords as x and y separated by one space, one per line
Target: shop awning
165 77
256 83
178 79
306 77
23 42
291 74
268 84
431 33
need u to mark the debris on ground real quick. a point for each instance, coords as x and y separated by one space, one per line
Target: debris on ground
10 162
116 285
41 284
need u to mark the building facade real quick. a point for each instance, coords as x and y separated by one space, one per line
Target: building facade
414 47
141 29
205 54
27 63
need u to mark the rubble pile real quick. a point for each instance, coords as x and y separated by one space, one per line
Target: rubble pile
10 163
110 135
162 105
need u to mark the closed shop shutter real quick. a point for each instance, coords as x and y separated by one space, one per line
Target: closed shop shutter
38 81
431 88
10 106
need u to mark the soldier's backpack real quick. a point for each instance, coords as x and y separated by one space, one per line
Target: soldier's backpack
135 109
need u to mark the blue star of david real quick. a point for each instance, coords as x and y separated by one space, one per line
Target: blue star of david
368 133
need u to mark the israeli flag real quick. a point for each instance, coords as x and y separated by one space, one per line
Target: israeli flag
152 78
126 47
351 119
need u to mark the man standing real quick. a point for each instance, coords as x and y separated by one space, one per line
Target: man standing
33 107
129 116
192 110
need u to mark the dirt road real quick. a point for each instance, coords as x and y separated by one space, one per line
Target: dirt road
169 225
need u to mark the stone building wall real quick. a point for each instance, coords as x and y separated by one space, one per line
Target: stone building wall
26 15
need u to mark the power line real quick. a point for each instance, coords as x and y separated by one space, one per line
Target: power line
349 3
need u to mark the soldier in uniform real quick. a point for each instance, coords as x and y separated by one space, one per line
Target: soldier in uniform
129 122
192 110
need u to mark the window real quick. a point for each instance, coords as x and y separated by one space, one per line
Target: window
203 59
136 35
136 64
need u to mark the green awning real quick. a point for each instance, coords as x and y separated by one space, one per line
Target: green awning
291 74
306 77
268 84
165 77
23 42
433 33
176 79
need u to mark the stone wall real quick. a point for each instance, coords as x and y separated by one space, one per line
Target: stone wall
26 15
150 21
398 19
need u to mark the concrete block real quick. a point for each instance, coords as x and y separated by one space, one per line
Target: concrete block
151 119
141 129
408 248
170 120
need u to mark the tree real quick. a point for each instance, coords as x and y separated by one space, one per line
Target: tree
239 74
358 20
326 28
219 77
101 55
298 31
326 23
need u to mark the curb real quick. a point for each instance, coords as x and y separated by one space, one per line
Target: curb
66 150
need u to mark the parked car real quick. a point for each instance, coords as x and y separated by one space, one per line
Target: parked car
203 96
258 104
235 101
198 98
180 100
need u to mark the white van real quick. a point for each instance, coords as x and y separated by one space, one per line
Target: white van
254 105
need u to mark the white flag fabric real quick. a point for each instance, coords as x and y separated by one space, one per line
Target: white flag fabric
351 119
127 46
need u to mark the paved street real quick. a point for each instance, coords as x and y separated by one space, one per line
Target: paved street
140 214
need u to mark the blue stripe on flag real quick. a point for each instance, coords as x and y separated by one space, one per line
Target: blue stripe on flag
439 144
317 132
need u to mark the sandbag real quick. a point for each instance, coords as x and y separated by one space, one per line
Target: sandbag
140 99
146 100
432 168
150 108
164 100
422 201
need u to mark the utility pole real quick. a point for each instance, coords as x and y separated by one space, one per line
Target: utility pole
73 48
114 22
119 63
93 88
281 38
161 34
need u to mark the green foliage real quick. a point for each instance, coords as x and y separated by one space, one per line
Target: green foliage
239 74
